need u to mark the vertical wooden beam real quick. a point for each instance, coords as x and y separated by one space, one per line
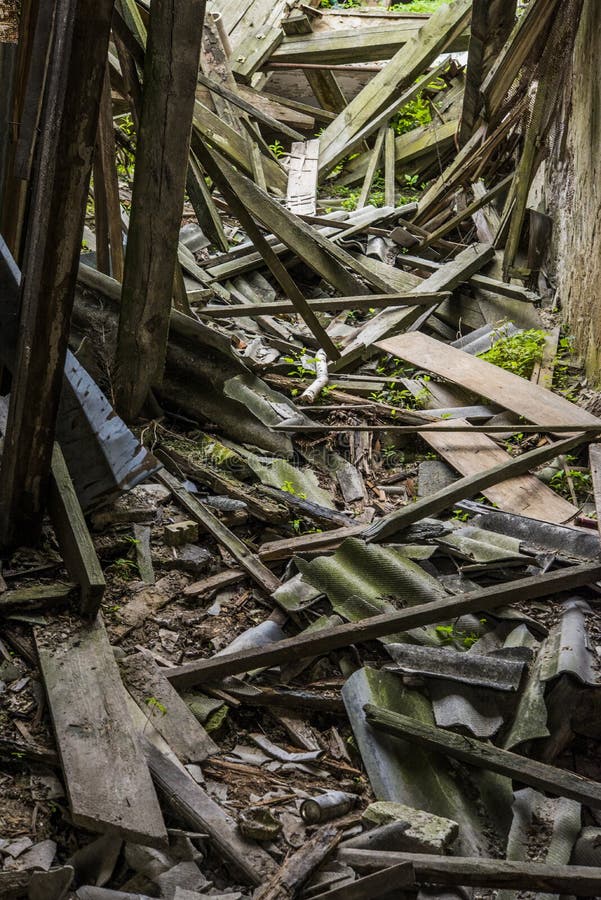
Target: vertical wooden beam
170 71
106 182
63 165
492 21
389 167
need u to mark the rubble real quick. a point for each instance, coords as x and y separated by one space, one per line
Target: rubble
303 447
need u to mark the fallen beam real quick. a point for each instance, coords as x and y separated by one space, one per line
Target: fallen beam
582 881
317 643
329 304
486 756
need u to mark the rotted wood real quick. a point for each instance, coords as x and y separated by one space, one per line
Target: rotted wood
75 543
298 867
107 781
582 881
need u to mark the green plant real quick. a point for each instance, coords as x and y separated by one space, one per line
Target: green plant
288 486
417 6
278 149
156 706
414 114
581 480
518 353
449 634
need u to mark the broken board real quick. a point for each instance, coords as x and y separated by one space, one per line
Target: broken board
107 780
473 453
536 404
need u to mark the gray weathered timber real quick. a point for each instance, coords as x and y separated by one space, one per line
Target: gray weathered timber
314 644
65 151
166 710
39 597
192 804
300 865
203 515
539 775
76 546
474 871
402 70
491 24
171 67
466 487
107 780
331 304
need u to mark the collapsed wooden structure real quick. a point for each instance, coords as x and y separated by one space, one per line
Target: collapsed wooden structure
380 262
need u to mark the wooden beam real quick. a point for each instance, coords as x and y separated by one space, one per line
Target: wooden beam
521 769
317 643
491 24
583 881
64 162
236 189
75 543
165 709
106 778
331 304
203 515
170 71
466 487
301 193
194 806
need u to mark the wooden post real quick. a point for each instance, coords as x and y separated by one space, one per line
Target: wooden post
170 71
63 165
492 21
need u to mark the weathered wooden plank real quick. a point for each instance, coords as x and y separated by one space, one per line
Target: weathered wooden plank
170 70
223 174
594 453
491 24
202 814
166 710
65 151
403 69
582 881
466 487
75 543
534 403
301 195
372 167
39 597
331 304
202 514
237 100
471 208
471 453
483 755
316 643
107 780
299 866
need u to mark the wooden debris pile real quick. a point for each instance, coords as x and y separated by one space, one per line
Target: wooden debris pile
299 490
